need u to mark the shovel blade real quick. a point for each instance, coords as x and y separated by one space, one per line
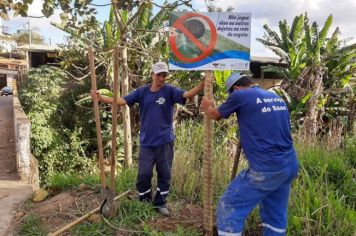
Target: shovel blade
108 207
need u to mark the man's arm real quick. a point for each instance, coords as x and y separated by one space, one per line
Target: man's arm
194 91
209 109
105 99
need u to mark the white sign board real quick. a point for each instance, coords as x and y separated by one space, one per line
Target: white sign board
209 41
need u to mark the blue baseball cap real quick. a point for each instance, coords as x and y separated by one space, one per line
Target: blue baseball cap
233 78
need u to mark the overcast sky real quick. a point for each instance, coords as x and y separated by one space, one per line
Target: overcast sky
263 12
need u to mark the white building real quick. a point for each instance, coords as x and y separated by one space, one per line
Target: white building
7 43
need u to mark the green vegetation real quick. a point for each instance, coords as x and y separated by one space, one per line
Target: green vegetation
32 225
63 137
318 80
322 199
60 138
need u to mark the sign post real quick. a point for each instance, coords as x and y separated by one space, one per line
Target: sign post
207 161
209 41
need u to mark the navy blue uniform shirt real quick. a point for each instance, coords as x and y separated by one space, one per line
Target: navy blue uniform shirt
156 113
264 125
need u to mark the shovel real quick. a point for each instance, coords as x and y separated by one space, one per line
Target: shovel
236 161
107 208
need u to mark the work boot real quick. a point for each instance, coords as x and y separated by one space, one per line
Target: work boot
163 210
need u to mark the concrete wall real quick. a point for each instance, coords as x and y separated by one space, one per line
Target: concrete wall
27 165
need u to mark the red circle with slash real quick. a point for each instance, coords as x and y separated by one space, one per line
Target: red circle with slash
206 50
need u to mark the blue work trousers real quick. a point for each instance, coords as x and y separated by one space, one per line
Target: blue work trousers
162 158
250 188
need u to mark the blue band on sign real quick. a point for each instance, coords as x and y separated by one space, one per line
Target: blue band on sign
217 56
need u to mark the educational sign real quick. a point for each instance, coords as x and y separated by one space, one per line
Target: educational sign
209 41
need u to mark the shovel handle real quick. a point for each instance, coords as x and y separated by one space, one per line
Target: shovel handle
236 161
114 117
97 119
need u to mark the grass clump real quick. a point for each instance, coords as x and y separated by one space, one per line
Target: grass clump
32 225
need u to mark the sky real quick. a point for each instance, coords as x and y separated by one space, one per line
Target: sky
263 12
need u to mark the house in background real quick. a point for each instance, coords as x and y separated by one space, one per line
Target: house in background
7 42
265 79
38 54
11 70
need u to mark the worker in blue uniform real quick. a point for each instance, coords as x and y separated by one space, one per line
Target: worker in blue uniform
264 124
156 102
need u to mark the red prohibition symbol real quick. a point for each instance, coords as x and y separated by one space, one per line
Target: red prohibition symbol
206 50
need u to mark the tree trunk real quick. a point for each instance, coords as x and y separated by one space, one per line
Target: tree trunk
334 136
310 125
352 115
126 109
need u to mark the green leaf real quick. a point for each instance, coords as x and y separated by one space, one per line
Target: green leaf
306 97
323 33
124 15
297 29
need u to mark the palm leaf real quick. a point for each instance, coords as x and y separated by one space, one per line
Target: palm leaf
283 28
273 36
323 33
158 20
332 43
297 29
266 42
144 17
283 72
280 52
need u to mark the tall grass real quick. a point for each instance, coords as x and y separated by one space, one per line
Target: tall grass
322 201
323 196
187 173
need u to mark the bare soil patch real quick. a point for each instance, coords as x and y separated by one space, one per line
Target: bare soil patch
61 209
190 216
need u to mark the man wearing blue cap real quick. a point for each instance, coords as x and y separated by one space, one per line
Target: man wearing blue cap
265 134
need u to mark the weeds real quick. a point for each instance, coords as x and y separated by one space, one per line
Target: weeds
32 225
322 200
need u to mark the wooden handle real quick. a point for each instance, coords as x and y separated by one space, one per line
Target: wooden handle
236 161
77 221
97 120
114 117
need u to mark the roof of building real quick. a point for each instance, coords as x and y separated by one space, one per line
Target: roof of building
7 37
12 61
39 48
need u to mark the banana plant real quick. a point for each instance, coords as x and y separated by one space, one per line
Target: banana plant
318 65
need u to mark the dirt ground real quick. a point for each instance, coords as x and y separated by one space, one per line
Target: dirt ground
65 207
61 209
190 216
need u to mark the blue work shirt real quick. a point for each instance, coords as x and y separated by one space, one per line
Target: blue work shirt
156 113
264 125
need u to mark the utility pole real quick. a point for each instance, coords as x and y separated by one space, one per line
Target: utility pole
29 32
